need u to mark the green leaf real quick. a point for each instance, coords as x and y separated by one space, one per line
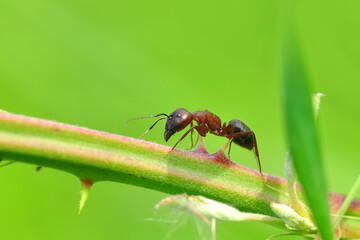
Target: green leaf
291 177
292 219
345 206
207 209
300 124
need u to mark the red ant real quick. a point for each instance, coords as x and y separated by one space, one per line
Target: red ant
207 122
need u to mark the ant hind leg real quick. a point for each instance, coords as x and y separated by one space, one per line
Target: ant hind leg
229 149
236 135
222 150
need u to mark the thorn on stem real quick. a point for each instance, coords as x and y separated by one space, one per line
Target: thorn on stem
220 156
222 150
201 148
85 188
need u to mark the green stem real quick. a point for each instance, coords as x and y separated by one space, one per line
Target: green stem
100 156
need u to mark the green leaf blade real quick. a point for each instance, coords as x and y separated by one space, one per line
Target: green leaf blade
301 129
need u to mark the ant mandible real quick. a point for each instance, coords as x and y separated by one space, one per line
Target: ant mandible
207 122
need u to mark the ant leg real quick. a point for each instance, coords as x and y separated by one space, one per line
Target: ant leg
202 132
187 132
197 139
229 150
225 131
257 155
151 127
236 135
226 145
192 139
201 129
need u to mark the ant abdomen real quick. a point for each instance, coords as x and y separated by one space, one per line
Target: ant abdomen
246 141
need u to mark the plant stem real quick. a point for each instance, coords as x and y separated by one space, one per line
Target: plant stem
100 156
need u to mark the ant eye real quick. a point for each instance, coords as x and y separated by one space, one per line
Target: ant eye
178 115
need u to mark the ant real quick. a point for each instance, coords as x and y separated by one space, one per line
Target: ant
207 122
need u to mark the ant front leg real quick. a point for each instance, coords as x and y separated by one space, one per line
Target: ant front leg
186 133
229 149
201 130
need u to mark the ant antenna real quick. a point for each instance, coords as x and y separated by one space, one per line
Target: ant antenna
157 115
151 127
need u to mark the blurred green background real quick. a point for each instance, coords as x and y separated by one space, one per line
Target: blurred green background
97 64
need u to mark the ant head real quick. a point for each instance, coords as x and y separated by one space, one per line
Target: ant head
176 122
